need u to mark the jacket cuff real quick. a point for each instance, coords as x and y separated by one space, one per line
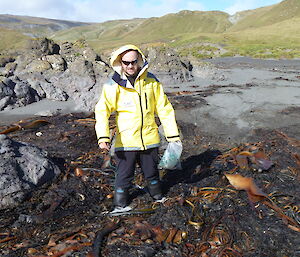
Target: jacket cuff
103 139
173 138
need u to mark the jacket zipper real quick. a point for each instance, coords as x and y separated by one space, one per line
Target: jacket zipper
140 98
146 101
142 121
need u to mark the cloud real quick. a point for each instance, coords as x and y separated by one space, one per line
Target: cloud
46 8
96 10
241 5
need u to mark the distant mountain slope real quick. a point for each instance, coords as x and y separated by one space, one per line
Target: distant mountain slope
268 15
171 25
160 29
108 30
35 26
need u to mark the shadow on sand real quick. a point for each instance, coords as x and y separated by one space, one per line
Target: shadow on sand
194 169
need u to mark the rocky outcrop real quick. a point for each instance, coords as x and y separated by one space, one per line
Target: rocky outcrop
166 64
43 47
52 71
16 93
73 71
23 168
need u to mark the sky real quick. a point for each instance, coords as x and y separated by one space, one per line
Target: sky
103 10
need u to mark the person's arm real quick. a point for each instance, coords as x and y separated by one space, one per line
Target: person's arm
166 114
103 109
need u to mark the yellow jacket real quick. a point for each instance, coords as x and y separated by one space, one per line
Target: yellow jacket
135 108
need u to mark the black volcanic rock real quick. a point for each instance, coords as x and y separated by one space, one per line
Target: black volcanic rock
23 167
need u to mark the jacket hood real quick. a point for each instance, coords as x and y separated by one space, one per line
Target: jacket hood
115 60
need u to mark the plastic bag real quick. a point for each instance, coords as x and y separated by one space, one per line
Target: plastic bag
171 157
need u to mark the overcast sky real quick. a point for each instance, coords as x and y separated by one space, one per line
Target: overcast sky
103 10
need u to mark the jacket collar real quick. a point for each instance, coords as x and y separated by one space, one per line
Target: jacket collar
117 78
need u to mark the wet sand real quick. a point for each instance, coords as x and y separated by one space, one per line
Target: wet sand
44 107
243 94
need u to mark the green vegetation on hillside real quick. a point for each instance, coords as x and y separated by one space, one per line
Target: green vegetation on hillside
267 32
266 16
11 40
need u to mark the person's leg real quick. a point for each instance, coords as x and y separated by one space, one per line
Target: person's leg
124 176
149 160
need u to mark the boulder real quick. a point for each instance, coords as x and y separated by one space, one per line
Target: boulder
43 46
9 69
56 61
23 168
52 92
38 66
4 102
6 59
67 52
36 85
24 94
6 93
6 88
82 81
78 50
16 93
166 64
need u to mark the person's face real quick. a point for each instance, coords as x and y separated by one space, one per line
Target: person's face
129 62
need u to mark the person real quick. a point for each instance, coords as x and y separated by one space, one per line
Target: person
135 96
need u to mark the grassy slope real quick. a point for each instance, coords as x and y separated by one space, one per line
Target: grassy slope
266 41
105 31
11 40
141 31
268 32
172 25
269 15
272 31
254 34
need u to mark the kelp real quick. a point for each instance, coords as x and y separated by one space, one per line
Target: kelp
255 195
21 125
256 215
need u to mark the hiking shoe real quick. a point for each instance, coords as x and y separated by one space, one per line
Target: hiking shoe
121 197
154 187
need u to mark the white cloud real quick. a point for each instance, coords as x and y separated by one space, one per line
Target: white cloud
241 5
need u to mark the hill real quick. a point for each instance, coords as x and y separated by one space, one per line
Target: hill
204 34
266 16
106 31
11 40
201 34
161 30
35 26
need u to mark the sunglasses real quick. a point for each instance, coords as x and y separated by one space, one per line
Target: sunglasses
132 62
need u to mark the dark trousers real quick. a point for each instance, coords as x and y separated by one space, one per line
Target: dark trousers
126 163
